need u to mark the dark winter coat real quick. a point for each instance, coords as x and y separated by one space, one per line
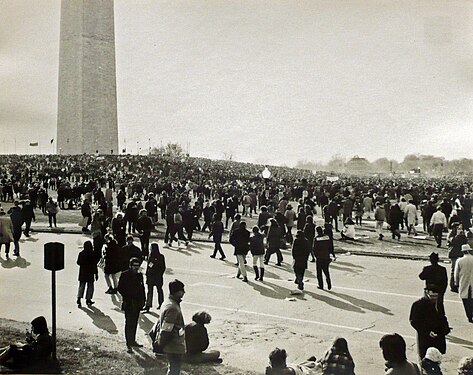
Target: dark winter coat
241 241
155 269
87 261
300 251
435 276
257 244
113 258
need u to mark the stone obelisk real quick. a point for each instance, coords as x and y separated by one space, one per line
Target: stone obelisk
87 97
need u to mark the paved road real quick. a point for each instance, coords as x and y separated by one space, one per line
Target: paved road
371 296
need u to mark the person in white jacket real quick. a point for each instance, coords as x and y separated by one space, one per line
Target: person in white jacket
437 223
410 213
464 280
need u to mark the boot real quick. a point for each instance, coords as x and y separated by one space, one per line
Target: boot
238 274
261 274
256 273
79 304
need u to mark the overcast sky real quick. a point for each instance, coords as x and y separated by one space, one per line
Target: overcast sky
267 81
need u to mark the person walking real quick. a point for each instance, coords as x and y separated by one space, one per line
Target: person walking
395 221
154 276
217 232
17 221
309 233
410 213
435 277
88 273
132 290
257 251
112 264
52 209
274 238
171 338
323 248
144 226
464 280
130 250
438 221
300 255
241 241
380 217
6 231
291 217
27 212
455 253
431 325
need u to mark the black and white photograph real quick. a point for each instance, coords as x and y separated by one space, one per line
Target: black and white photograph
236 187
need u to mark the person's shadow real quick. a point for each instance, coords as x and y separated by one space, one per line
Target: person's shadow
334 303
12 263
100 320
363 304
145 323
459 341
268 289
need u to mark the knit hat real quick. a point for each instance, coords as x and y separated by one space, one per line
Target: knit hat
434 355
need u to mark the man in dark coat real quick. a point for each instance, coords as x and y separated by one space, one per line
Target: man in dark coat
435 277
323 248
217 232
87 261
300 254
240 239
431 325
151 207
129 251
27 212
132 289
154 276
144 226
17 221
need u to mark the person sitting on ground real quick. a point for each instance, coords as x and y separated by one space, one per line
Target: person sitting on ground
465 366
338 360
394 352
36 351
430 364
348 231
197 340
278 366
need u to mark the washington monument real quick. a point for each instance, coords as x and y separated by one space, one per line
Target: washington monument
87 97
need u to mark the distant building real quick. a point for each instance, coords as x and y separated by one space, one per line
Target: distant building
357 165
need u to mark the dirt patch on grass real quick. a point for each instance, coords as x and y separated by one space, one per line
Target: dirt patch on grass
86 354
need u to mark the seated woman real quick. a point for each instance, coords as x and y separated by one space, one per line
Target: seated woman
348 231
197 340
338 360
278 366
37 350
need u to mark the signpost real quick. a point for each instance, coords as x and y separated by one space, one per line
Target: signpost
54 261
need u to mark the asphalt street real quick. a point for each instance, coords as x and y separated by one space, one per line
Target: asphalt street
371 296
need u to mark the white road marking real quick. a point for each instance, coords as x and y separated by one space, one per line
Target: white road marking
279 317
333 287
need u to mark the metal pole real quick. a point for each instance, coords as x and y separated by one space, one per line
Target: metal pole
53 284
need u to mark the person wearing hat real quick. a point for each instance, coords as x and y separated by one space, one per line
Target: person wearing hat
348 230
171 338
430 364
17 221
300 255
464 280
37 349
431 325
132 289
435 276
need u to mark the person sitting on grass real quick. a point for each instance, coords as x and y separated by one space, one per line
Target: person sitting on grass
36 351
197 340
394 352
278 365
348 231
337 359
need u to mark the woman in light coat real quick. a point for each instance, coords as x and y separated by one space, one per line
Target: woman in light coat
6 231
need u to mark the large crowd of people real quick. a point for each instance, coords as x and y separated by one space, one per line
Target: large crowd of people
122 196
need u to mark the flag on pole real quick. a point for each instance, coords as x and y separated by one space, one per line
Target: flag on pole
33 144
52 140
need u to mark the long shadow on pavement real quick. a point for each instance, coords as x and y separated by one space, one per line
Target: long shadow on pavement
335 266
268 289
459 341
100 320
349 264
363 304
18 262
334 303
